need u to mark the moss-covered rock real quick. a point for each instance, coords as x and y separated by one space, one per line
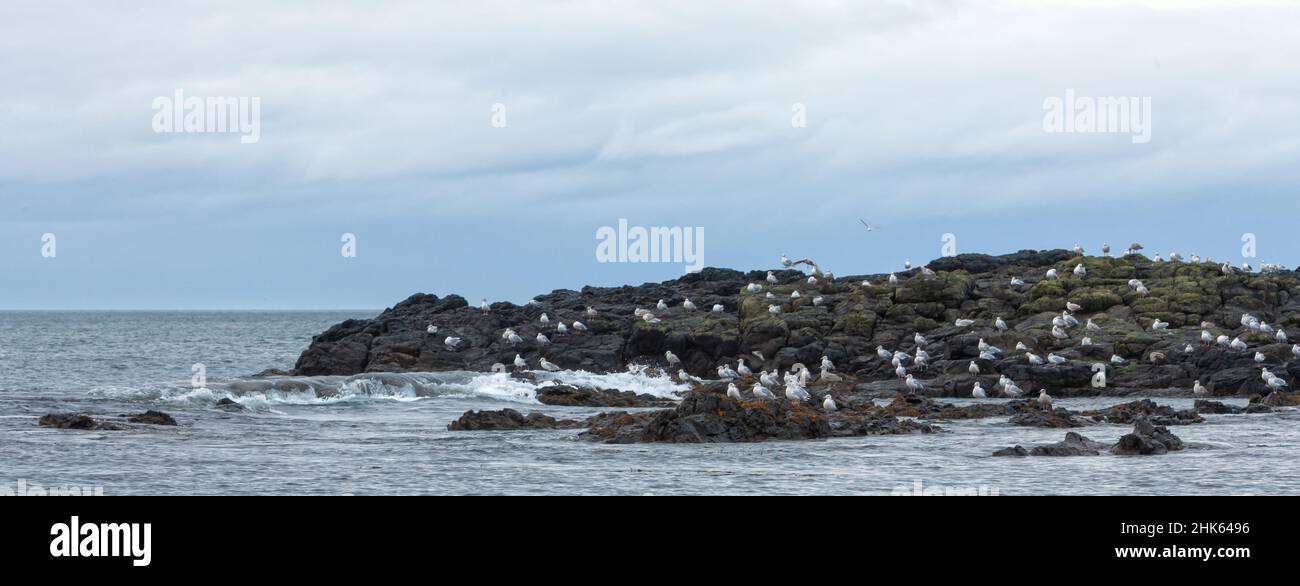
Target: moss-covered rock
1094 299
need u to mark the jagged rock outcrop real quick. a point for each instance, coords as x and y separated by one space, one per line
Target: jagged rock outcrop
852 319
1147 439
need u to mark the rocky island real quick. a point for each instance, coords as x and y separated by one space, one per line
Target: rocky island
1054 321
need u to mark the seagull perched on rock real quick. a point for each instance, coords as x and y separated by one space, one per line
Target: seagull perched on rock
795 294
1021 347
1206 337
732 391
977 391
483 305
774 309
1051 273
452 342
1092 327
544 319
742 369
1044 399
1105 248
1117 359
964 323
725 372
1059 333
560 328
514 338
1260 357
907 264
914 385
1222 340
1199 389
661 306
650 318
973 368
771 278
1054 359
761 392
919 339
753 287
1086 341
828 403
1237 345
1158 325
1034 358
794 392
520 362
591 311
883 353
769 379
581 327
1010 389
986 347
1079 271
1000 324
1017 281
1072 307
548 365
812 280
687 305
893 279
817 300
542 339
718 308
671 358
432 329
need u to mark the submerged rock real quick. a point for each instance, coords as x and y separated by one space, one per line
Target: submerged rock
1059 417
1217 408
564 395
1073 445
152 418
1126 413
228 404
1012 451
1147 439
509 419
77 421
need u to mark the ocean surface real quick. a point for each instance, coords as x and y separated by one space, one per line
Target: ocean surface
387 434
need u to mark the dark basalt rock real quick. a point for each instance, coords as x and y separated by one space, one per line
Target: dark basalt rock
228 404
1012 451
152 418
854 319
1147 439
1146 409
77 421
711 417
1217 408
564 395
1059 417
1073 445
509 419
1277 399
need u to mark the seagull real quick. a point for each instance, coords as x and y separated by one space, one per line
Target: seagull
866 283
817 300
732 391
794 392
901 372
742 369
986 347
827 364
907 264
769 295
1260 358
768 379
1116 359
548 365
964 323
1054 359
1044 399
1034 358
432 329
973 368
1237 344
514 338
1072 307
671 358
812 280
913 384
753 287
761 392
1295 350
726 372
919 339
1010 389
1051 273
785 261
686 376
687 305
1280 336
774 309
1158 325
542 339
1017 281
1077 249
828 403
1021 347
581 327
591 311
452 342
1207 337
795 294
893 279
1276 383
718 308
1221 340
560 328
544 319
1199 389
520 362
771 278
1105 248
1059 333
869 227
661 306
1070 321
650 318
1079 271
1188 349
978 391
483 305
1000 325
1086 341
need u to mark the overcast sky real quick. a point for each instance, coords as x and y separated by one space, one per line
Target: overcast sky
923 118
